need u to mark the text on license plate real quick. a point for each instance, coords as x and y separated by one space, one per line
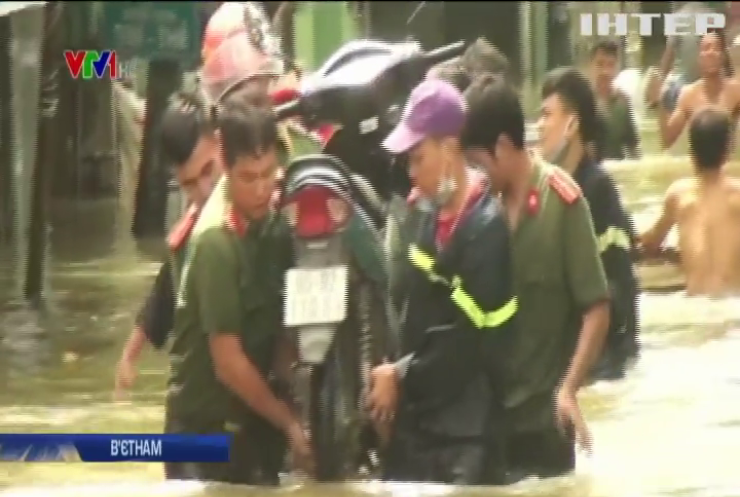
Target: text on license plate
315 295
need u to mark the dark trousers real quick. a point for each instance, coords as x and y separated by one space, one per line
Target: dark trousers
256 454
422 457
543 454
622 345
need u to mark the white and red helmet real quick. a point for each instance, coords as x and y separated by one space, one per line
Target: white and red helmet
238 44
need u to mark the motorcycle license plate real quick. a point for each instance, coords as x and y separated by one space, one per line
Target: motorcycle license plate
315 295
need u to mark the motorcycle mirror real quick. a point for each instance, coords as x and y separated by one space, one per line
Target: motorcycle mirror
415 13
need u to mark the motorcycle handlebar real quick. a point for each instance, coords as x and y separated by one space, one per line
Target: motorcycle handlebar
447 52
288 110
293 108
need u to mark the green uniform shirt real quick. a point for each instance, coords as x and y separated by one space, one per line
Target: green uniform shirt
557 276
296 142
231 282
621 134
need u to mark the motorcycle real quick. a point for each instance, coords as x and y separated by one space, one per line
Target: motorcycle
337 206
361 90
335 300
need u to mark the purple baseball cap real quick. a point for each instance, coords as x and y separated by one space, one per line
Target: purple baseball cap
434 109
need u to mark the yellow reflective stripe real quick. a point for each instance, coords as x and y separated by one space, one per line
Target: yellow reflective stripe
614 236
466 303
479 317
425 263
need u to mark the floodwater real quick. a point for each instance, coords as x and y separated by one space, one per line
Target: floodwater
672 428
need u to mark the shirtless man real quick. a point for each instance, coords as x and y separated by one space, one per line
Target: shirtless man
706 209
712 88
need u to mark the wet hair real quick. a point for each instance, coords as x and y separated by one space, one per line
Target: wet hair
184 122
452 72
727 65
494 109
250 91
246 130
710 134
607 47
576 94
483 57
247 90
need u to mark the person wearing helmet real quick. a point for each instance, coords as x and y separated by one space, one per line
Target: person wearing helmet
226 49
248 23
241 56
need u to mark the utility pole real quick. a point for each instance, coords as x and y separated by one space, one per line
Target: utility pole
49 151
163 79
6 134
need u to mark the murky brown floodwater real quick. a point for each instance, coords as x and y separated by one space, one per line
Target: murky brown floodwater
671 428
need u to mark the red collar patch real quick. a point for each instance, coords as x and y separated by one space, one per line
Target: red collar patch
235 221
533 202
182 229
276 196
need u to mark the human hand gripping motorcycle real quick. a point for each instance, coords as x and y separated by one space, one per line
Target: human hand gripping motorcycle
300 448
383 398
300 444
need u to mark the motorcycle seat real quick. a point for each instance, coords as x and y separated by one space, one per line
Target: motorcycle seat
357 63
359 49
330 172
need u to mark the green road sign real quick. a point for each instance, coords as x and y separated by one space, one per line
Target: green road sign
153 30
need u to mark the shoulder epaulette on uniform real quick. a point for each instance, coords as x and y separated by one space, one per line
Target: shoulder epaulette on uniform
564 185
182 229
302 131
414 196
284 138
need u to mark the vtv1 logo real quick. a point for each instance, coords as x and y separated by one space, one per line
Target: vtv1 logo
675 24
90 64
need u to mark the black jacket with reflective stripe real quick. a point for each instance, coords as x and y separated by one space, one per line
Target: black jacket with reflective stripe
456 307
616 236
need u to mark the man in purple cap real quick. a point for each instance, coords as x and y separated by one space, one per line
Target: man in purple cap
453 289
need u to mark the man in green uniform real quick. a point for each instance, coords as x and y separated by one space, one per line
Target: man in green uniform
187 142
622 140
228 315
567 97
293 140
558 278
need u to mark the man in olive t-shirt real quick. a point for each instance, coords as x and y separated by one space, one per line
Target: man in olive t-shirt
228 315
559 281
622 139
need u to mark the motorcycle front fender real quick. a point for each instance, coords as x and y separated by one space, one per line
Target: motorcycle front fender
314 342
